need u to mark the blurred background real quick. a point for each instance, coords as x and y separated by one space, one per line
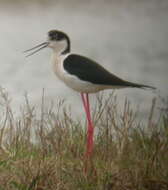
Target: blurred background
128 37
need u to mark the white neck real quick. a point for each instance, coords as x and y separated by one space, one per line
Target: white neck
58 46
57 57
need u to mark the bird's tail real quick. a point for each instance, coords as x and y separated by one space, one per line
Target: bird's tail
135 85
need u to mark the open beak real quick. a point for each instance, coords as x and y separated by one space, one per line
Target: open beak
40 47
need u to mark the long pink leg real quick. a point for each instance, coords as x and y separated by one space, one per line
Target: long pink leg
90 131
84 102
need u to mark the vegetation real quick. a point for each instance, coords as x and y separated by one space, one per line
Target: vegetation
46 151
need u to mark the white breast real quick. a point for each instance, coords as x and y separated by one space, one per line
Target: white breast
71 80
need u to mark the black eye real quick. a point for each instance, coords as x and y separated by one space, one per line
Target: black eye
54 36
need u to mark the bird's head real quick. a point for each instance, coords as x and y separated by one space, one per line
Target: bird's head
57 40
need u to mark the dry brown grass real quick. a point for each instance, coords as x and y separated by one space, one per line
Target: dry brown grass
46 152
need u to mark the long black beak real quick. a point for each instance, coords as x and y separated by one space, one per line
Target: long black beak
40 46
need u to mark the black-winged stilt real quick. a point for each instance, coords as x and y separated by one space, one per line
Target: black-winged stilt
81 74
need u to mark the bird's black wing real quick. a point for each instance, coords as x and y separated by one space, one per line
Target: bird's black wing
88 70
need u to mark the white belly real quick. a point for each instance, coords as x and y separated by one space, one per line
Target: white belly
71 80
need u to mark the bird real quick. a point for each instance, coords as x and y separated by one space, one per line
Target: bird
81 74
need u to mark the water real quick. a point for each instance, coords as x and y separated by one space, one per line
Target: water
128 38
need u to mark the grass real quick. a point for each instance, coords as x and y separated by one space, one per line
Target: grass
46 151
